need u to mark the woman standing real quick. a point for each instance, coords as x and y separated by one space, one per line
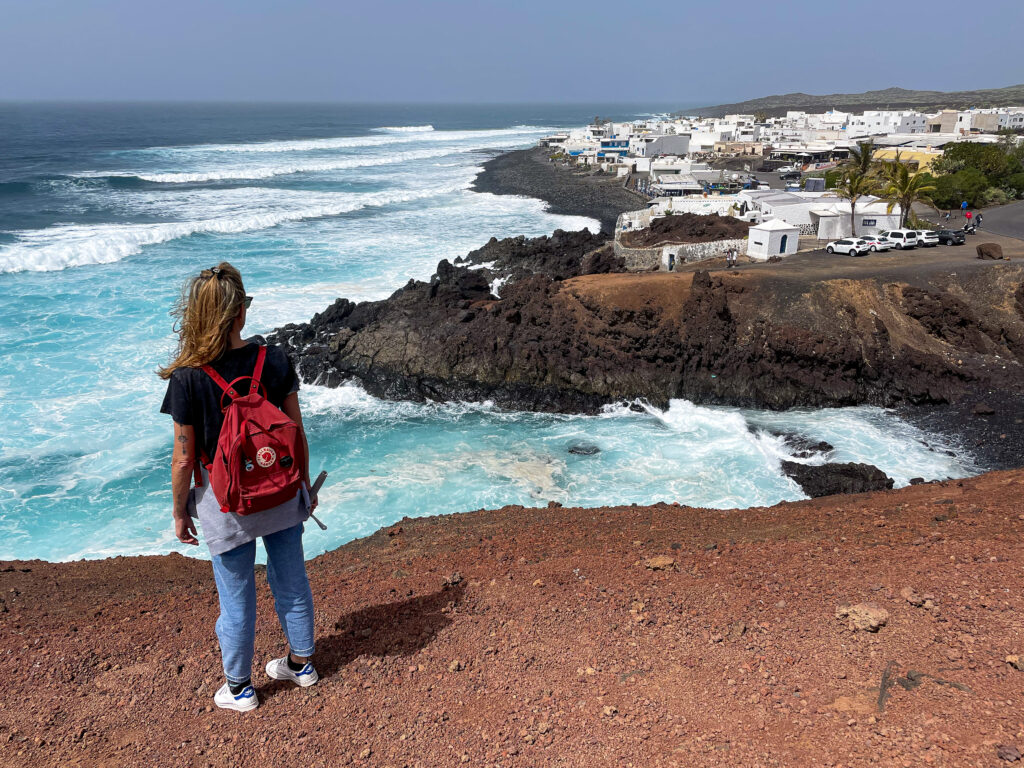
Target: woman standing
210 316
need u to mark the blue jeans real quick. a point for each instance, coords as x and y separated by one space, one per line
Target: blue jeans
236 587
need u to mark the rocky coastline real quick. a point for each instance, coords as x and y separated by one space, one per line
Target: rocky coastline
530 173
568 332
554 324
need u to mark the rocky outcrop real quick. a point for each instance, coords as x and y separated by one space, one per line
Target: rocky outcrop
560 256
559 339
829 479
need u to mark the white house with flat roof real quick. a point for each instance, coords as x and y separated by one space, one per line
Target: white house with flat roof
821 213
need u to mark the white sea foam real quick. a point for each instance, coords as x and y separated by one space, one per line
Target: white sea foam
348 142
73 245
404 128
269 171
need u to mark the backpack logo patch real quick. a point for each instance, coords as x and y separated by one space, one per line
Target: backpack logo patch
266 456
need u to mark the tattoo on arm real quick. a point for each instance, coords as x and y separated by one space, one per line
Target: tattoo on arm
183 439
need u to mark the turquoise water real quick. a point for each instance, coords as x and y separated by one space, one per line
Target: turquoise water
105 211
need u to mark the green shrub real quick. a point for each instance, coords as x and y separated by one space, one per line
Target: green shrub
995 196
1015 184
968 184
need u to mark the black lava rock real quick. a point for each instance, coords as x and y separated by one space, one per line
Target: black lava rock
829 479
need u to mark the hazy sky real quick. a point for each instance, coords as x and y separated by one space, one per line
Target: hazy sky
668 51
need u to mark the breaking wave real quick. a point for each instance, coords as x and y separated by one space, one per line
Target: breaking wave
348 142
404 129
75 245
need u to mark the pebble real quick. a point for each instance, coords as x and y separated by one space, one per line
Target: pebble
868 617
1008 752
659 563
908 594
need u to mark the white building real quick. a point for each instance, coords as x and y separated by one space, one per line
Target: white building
772 238
882 122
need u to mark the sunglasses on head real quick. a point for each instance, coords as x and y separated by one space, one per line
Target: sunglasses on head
247 302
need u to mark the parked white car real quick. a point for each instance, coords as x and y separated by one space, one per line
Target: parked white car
901 238
927 238
850 245
878 243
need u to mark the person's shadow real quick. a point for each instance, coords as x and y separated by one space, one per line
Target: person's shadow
389 629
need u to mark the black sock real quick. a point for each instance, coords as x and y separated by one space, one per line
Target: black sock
237 688
295 666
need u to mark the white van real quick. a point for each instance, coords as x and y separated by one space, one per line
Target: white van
901 238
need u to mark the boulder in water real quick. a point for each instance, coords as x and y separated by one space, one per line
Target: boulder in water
829 479
584 449
802 446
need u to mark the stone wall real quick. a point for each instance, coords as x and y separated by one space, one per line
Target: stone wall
647 259
691 252
638 259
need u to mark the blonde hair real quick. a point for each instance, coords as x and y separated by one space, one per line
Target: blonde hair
209 305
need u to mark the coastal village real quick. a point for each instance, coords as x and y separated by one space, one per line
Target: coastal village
784 176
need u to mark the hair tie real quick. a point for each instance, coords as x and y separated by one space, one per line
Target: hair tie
216 271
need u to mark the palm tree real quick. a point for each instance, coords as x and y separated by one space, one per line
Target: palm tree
862 158
904 188
853 186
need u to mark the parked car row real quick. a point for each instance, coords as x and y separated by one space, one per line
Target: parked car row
900 239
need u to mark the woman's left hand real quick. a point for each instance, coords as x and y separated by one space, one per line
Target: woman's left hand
185 529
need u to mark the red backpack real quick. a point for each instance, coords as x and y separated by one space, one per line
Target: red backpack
260 453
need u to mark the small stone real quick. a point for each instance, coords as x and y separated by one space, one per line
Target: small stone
1014 661
659 563
365 754
1008 752
867 617
908 594
543 727
737 630
609 711
455 666
982 409
538 583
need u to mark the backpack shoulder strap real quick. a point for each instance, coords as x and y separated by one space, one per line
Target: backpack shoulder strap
219 380
261 356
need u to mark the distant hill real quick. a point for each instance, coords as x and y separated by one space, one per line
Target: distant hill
890 98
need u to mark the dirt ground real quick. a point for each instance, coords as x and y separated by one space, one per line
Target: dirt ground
635 636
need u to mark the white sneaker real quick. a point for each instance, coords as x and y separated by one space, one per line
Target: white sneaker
279 670
242 702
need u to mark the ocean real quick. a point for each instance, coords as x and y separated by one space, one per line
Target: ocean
105 210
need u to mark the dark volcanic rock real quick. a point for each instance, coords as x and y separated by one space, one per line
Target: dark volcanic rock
566 190
561 338
686 228
992 251
584 449
560 256
802 446
829 479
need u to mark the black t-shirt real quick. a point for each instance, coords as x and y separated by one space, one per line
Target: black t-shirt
193 398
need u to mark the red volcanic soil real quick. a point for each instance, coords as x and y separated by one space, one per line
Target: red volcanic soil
633 636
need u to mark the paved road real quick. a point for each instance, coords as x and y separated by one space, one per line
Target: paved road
1005 220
